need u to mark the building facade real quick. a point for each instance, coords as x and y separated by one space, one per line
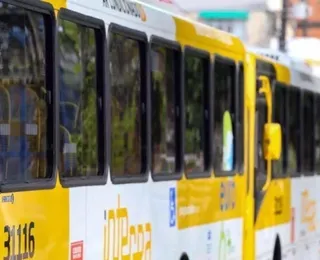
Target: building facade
309 27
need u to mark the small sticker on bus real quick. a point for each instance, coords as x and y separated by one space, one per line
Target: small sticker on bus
8 199
77 250
172 207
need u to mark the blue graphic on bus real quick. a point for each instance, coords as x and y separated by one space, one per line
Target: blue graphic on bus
227 195
172 207
209 244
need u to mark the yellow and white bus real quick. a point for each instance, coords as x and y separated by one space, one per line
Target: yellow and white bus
296 106
128 132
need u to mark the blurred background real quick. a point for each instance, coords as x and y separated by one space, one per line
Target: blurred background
292 26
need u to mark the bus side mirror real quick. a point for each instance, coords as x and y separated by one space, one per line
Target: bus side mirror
272 141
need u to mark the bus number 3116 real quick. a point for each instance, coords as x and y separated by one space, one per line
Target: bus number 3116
19 241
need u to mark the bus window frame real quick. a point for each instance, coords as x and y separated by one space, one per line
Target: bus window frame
179 130
142 38
207 124
230 62
298 172
100 41
47 11
240 129
284 128
312 94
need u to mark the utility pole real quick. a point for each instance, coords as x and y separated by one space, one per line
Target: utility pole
284 20
305 20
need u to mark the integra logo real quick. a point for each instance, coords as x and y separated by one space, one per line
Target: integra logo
124 240
126 7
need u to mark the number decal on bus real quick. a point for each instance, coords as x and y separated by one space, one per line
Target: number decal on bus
19 241
278 205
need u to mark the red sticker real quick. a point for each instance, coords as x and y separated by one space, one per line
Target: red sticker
77 250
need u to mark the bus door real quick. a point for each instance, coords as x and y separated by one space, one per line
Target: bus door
260 164
267 146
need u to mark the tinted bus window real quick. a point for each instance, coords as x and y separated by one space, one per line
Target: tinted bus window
294 131
78 100
224 140
25 125
308 132
196 71
164 93
317 133
127 102
280 106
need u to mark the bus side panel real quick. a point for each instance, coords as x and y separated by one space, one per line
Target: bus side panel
35 224
304 217
273 218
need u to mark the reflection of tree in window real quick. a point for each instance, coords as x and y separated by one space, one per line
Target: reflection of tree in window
78 99
194 90
163 111
294 130
224 105
23 132
125 107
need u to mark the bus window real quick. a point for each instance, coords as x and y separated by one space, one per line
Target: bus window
195 95
165 95
294 131
80 112
26 131
317 133
308 133
224 117
128 102
280 108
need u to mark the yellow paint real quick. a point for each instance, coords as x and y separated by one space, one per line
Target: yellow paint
248 244
143 15
199 201
209 39
49 211
119 234
57 4
276 205
41 218
273 141
308 211
46 213
283 72
280 188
